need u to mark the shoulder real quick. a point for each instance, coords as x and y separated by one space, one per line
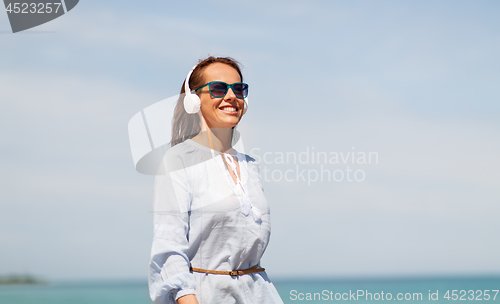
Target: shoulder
186 154
176 157
181 150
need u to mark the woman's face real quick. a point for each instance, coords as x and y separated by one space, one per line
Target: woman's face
224 112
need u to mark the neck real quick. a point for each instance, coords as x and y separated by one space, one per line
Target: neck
218 139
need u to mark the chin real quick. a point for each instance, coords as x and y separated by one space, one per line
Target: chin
229 123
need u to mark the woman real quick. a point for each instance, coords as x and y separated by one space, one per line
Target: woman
211 219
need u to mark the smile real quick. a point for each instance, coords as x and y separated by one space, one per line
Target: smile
229 110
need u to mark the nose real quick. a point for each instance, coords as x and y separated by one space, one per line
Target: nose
230 94
233 100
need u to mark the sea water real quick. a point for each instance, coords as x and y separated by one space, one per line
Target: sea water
415 290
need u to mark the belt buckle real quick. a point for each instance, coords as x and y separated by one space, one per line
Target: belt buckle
233 273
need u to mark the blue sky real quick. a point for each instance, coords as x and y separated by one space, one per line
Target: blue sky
414 81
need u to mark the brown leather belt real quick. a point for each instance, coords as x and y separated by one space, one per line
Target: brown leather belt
252 269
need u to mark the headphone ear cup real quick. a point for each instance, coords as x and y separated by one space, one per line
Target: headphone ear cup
192 103
245 105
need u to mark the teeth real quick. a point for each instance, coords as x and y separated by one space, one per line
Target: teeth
231 109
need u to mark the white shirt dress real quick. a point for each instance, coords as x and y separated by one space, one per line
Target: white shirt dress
204 220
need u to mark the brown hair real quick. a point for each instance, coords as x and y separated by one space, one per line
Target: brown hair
184 125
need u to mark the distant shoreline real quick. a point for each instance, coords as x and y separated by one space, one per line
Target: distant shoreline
20 280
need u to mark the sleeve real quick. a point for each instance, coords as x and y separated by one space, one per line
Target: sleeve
169 275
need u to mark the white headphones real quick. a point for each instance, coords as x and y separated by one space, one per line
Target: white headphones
192 102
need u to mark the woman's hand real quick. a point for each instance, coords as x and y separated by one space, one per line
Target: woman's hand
187 299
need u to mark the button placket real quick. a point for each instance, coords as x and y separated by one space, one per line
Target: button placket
246 204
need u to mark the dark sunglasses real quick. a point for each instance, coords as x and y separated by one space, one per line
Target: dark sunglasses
219 89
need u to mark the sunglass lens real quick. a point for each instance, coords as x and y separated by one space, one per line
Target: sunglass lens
240 90
218 89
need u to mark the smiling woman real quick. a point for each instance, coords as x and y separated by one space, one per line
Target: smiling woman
211 218
222 110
